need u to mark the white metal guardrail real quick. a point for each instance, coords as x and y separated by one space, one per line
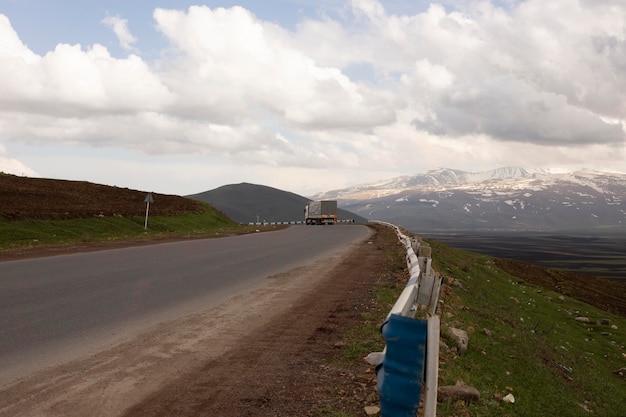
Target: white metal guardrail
293 222
410 359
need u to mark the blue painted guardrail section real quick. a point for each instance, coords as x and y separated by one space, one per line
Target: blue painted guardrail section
409 363
400 375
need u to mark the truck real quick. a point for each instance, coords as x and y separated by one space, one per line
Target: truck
321 212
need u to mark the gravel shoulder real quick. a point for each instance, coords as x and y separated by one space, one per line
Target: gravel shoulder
263 353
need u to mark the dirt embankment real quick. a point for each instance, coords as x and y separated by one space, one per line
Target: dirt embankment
48 199
273 352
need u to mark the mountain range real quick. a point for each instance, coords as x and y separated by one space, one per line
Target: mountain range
504 199
442 200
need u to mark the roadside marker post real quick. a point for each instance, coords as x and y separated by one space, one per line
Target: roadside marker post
148 200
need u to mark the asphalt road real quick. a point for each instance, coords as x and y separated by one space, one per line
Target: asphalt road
56 307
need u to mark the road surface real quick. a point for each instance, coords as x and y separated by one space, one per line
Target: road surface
58 308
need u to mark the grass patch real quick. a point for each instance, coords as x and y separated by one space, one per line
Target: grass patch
366 338
362 340
387 294
28 233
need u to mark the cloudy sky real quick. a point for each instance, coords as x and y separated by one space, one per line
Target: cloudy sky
182 97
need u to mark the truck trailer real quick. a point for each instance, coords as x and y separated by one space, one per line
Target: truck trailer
321 212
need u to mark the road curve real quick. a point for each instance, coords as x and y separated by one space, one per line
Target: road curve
52 309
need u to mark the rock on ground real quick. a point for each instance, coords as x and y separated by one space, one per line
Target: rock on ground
460 339
457 393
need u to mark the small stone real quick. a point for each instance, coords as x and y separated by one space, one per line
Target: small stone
374 358
457 393
372 410
509 398
614 327
460 338
339 345
487 332
583 319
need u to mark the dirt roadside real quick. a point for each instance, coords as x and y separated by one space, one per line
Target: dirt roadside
272 352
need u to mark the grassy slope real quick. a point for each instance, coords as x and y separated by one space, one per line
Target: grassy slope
25 233
36 212
536 350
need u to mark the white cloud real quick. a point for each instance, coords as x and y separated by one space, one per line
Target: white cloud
120 28
72 82
231 65
476 85
536 72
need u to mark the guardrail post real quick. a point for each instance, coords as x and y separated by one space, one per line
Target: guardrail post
432 367
415 244
427 285
435 295
424 259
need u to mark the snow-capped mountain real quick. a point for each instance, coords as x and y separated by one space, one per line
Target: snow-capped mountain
502 199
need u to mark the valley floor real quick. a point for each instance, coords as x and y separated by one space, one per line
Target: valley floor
600 255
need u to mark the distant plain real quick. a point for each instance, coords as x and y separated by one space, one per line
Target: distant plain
600 255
